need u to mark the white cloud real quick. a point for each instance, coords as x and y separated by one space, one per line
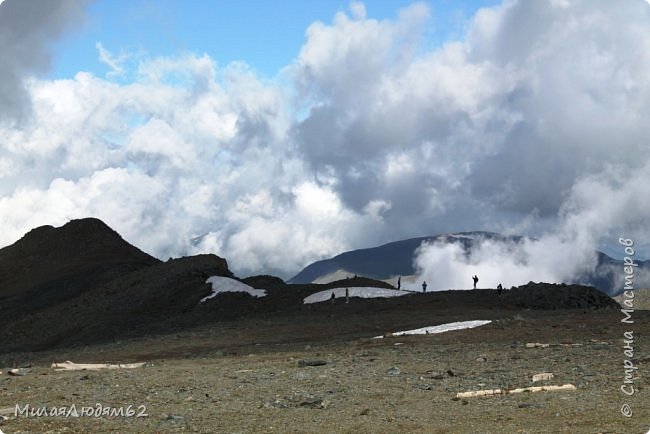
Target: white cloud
597 207
534 119
116 63
25 42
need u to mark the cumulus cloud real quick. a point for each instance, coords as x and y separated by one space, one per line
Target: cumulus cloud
578 155
26 32
532 122
597 207
186 159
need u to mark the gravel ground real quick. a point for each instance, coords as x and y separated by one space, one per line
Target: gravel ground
297 374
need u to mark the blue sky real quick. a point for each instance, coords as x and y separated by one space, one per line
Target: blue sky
267 35
348 125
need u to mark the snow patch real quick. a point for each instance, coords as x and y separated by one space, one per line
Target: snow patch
226 284
354 291
459 325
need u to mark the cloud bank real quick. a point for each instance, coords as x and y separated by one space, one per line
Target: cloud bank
533 123
26 31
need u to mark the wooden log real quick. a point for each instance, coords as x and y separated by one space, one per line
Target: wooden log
493 392
70 366
7 413
543 388
536 345
485 392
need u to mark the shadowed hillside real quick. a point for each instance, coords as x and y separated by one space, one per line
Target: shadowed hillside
82 284
50 264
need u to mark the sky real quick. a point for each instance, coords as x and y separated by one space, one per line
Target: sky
275 136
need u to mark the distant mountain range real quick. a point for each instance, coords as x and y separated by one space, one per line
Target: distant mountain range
388 260
396 259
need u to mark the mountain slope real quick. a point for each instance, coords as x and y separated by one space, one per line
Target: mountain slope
82 283
640 300
388 260
49 265
147 300
396 259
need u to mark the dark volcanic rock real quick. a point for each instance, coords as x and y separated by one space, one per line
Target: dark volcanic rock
148 300
83 283
49 265
263 281
558 296
358 281
173 286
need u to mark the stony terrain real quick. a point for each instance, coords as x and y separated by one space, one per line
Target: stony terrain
322 373
237 363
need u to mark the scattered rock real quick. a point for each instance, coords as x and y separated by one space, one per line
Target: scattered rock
543 376
296 400
315 403
19 372
600 346
481 358
314 362
536 345
393 371
173 417
364 412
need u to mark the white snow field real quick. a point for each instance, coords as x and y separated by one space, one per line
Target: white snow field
226 284
354 291
459 325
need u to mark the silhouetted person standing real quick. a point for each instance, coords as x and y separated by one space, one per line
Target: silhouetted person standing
424 286
499 289
399 282
475 279
347 296
332 297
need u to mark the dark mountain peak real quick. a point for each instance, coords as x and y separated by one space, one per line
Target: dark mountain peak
88 224
84 238
79 228
37 233
54 263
